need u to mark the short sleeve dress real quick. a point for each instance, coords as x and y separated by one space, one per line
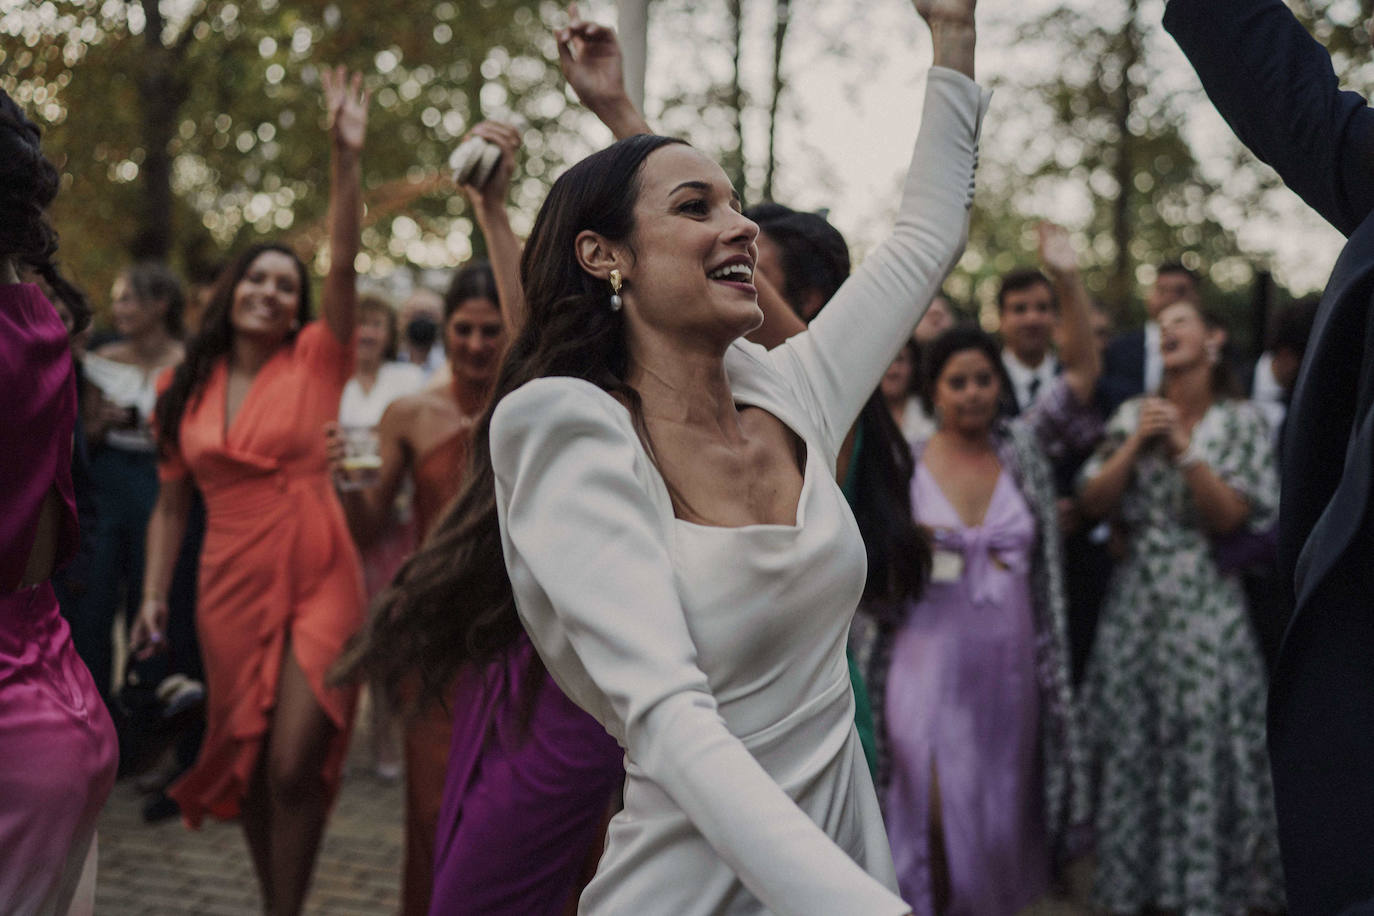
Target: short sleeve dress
279 571
1175 688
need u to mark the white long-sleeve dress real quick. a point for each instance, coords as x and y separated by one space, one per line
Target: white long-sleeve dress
716 656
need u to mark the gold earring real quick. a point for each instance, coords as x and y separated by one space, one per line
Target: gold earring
616 301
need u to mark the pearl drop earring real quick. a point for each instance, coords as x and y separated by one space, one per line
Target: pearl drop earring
616 301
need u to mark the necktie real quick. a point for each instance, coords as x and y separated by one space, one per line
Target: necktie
1032 390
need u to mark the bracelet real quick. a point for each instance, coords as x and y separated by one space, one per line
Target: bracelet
1188 457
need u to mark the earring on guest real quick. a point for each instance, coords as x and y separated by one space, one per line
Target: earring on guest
616 301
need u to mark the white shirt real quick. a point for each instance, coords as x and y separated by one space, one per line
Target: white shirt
716 656
1027 383
125 385
365 408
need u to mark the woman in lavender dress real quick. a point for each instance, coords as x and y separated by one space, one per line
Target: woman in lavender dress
979 769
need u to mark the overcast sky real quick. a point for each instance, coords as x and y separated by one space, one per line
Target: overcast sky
859 116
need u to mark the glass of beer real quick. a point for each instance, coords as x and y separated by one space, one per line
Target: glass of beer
362 462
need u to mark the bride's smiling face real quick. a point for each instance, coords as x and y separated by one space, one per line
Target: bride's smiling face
691 271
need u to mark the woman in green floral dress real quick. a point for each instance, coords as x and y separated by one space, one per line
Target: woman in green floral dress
1175 688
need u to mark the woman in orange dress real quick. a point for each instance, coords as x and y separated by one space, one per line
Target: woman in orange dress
425 437
280 581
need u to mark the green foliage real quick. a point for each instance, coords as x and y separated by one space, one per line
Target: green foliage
250 152
1103 129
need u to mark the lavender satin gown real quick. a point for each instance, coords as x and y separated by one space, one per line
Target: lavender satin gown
962 699
57 745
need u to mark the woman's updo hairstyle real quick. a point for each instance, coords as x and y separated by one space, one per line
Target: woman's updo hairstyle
28 184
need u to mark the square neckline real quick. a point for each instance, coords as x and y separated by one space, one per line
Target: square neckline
798 514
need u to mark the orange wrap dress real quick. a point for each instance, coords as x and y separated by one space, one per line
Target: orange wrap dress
438 475
278 570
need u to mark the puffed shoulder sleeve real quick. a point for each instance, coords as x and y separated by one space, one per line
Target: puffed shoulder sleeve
585 547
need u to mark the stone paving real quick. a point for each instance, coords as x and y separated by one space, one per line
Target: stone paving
165 869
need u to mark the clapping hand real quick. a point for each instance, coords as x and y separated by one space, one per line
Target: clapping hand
347 101
1159 419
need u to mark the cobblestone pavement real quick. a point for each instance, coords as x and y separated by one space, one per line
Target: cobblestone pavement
165 869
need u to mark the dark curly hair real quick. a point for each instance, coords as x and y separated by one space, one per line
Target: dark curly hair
28 184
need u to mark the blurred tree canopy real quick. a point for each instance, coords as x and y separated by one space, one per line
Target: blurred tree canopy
187 128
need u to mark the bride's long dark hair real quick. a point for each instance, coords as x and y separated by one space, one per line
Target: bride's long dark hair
451 604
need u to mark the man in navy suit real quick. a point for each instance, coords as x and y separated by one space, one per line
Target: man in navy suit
1132 364
1276 88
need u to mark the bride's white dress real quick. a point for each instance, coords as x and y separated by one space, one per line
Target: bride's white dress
715 656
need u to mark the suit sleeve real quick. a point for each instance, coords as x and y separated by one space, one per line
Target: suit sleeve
1274 84
581 526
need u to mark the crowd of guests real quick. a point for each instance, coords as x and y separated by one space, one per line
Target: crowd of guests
1060 649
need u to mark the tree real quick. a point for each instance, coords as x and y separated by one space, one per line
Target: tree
1101 135
186 130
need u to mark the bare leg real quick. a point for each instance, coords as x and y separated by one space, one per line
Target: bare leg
256 816
299 743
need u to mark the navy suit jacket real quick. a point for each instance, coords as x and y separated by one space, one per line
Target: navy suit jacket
1123 371
1276 88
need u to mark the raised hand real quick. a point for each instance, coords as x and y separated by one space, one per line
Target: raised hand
589 55
347 101
1057 253
493 192
951 31
932 11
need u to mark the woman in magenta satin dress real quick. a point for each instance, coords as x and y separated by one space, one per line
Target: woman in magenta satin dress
58 750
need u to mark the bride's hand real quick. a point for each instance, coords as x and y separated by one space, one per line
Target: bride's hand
946 11
952 32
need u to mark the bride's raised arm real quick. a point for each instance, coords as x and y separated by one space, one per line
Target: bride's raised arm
838 362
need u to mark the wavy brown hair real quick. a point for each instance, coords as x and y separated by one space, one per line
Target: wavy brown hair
215 340
451 604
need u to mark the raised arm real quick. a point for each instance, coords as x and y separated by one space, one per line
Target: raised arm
589 55
489 209
838 362
1275 86
347 103
596 591
1078 352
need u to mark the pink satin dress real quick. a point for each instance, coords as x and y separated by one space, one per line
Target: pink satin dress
58 750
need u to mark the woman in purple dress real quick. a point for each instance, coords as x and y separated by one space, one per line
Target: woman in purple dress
980 764
57 745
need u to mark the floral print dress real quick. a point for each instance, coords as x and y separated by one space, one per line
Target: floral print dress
1175 690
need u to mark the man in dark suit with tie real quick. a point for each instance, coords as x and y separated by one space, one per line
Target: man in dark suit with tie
1132 364
1027 312
1276 88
